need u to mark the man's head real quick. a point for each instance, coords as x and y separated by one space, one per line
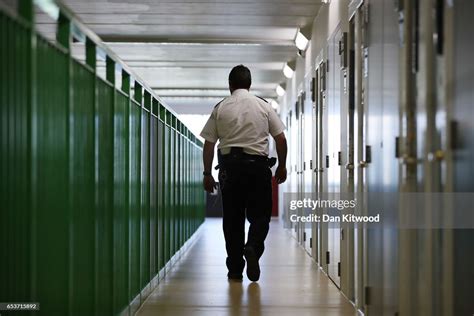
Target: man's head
239 78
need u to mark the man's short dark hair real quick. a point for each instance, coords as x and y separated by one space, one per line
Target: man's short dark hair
240 77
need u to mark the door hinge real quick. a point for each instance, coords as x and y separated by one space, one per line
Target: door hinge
322 77
366 62
304 165
339 158
311 164
366 13
344 74
338 269
397 147
327 161
398 5
454 131
327 257
342 234
311 242
304 236
401 22
440 27
415 51
313 89
343 50
367 295
368 154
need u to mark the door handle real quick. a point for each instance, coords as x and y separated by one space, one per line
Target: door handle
350 166
409 160
436 156
363 164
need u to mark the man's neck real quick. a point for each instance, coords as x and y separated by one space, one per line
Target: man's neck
239 91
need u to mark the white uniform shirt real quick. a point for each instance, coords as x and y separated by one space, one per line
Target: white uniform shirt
243 120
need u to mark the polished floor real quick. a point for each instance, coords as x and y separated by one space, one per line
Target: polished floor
290 283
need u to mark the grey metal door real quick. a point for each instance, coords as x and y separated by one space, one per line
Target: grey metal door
315 95
322 154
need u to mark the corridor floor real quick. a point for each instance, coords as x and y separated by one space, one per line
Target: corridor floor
290 283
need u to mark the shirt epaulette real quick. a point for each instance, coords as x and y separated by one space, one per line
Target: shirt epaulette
262 99
219 103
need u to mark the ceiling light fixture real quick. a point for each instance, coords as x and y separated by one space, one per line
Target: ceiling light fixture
274 104
289 69
303 35
48 7
280 90
301 41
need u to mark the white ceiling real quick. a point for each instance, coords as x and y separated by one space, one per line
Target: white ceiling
185 48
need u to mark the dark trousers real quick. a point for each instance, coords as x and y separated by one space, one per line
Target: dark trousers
246 193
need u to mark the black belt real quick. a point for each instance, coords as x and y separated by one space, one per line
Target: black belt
237 155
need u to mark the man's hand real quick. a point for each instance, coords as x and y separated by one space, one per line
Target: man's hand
207 156
281 148
280 174
209 184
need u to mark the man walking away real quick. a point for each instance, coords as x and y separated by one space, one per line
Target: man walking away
242 123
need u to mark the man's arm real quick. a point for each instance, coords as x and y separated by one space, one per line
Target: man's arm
207 157
282 149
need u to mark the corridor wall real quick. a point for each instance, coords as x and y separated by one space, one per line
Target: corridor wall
381 99
100 183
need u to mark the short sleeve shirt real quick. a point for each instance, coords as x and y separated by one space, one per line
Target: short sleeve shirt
243 120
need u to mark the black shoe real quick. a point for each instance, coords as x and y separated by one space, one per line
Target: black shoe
253 268
235 277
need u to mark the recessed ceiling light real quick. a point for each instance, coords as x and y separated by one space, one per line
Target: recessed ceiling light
301 41
280 91
274 104
289 69
303 35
